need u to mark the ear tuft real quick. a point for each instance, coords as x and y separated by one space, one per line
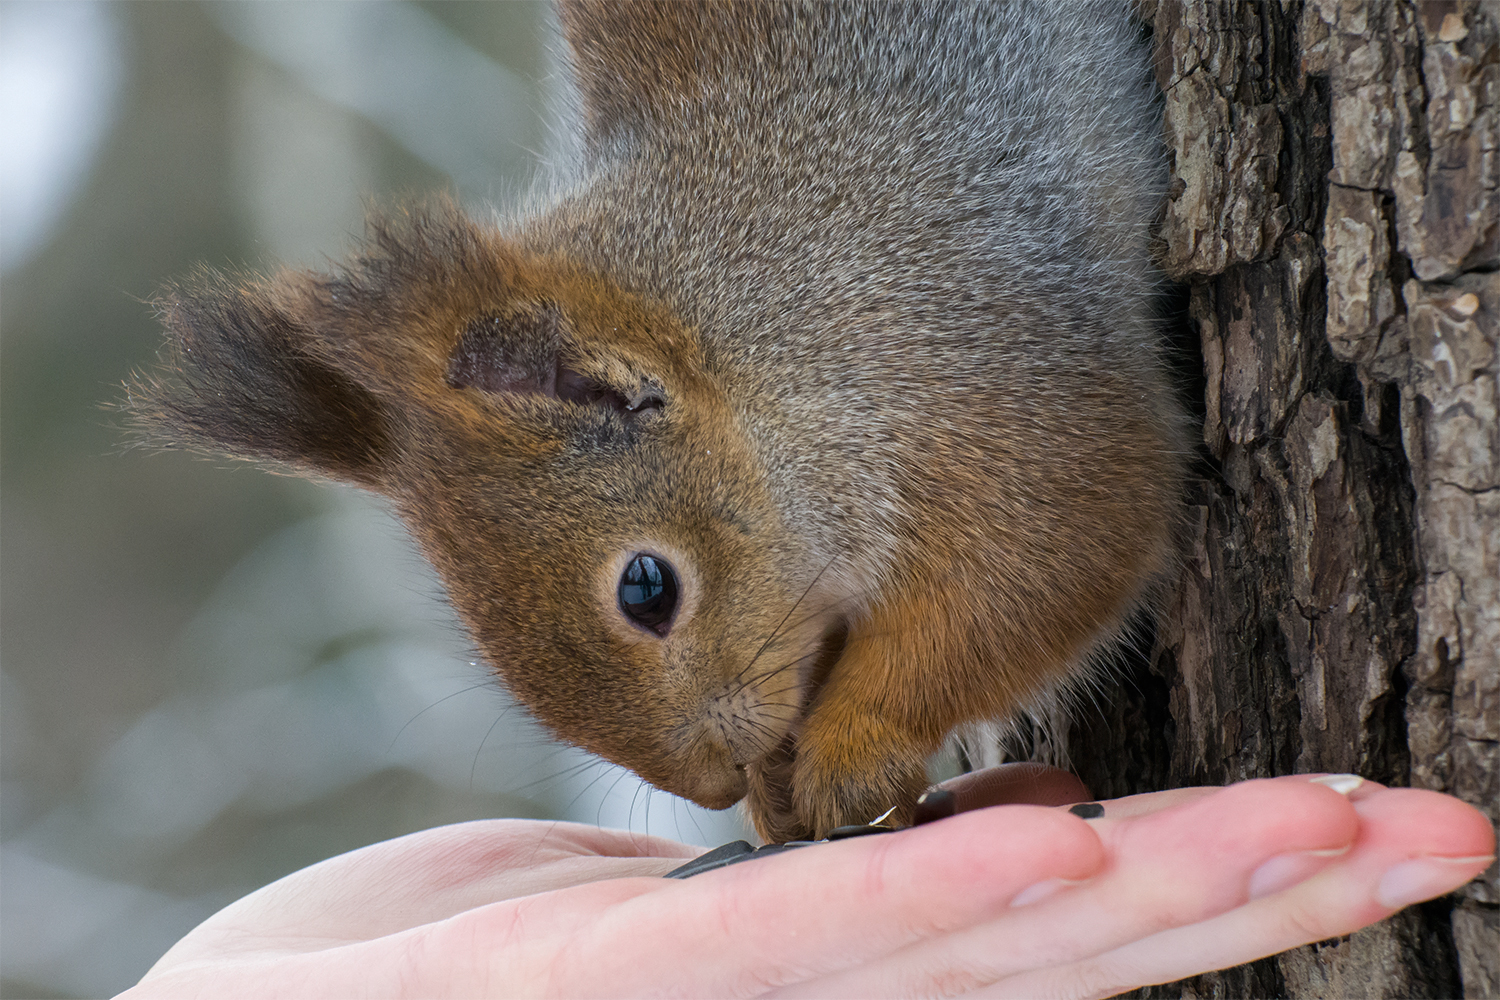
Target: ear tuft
242 375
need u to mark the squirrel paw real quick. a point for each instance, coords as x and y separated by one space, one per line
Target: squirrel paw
802 791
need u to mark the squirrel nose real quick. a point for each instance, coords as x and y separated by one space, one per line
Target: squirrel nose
718 785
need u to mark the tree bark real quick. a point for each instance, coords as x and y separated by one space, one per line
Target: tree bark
1334 219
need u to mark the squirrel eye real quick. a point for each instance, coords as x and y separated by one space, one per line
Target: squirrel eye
648 592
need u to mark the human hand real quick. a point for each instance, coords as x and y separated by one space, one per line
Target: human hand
1018 900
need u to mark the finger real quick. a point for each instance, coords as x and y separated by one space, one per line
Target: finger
1020 783
1413 845
1351 786
1168 868
752 927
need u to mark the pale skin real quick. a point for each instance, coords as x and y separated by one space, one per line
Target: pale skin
1008 901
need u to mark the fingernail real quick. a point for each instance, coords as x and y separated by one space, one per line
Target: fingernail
1341 783
935 804
1286 870
1423 878
1040 891
1087 810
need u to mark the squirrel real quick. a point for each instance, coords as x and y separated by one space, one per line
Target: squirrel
816 411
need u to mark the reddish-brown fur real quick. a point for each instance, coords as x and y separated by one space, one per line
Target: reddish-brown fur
866 354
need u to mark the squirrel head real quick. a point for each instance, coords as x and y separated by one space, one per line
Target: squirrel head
562 454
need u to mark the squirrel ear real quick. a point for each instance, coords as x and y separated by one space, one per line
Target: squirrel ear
522 352
243 375
516 352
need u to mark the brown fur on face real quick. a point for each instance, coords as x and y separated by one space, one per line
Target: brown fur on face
839 322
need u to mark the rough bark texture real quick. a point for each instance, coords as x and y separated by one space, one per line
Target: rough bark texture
1335 220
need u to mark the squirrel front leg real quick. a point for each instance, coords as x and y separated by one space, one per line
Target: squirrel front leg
895 693
850 764
858 757
863 747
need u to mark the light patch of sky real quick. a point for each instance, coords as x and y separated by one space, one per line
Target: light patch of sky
63 925
401 69
61 68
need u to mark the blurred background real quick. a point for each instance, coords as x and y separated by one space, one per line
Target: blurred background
211 676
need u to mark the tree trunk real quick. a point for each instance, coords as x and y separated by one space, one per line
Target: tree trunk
1333 215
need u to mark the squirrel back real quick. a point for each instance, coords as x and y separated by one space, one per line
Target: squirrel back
817 411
